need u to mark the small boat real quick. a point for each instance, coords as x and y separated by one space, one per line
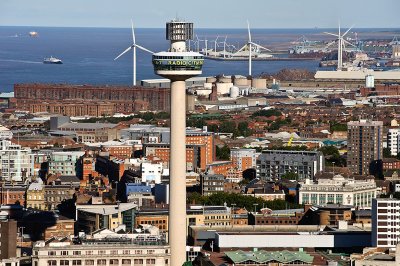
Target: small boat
52 60
33 34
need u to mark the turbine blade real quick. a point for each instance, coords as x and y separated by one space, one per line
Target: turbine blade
349 43
133 33
144 49
331 34
262 47
248 31
124 52
347 31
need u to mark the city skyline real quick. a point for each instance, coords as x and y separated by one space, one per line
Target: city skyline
221 14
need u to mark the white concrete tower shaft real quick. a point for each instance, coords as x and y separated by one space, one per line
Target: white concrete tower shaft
178 65
177 210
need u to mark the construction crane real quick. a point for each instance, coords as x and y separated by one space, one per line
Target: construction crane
289 144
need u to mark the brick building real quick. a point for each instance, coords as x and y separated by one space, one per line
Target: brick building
8 239
381 89
12 194
73 100
364 144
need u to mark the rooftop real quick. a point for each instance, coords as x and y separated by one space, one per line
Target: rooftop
87 125
263 256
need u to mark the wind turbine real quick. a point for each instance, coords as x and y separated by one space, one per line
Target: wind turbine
249 44
215 45
341 45
205 45
224 42
133 47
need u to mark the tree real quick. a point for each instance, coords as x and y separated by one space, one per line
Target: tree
329 150
332 156
266 113
290 176
243 129
223 153
338 127
148 116
241 201
387 153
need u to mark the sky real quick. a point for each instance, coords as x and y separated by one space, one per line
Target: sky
204 13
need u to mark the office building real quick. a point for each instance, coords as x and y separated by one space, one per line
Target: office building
110 216
364 145
211 183
339 190
273 164
145 250
15 162
64 162
90 132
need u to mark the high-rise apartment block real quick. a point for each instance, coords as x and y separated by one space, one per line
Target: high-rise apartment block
385 222
15 162
243 159
364 144
273 164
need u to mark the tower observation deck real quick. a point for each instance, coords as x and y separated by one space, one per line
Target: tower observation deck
178 64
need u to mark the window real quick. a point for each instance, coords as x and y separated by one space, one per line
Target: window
126 262
51 262
89 252
64 252
138 251
126 252
101 262
114 262
89 262
150 261
114 252
150 251
102 252
76 252
76 262
64 262
137 261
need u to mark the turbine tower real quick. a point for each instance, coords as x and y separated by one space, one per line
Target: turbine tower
341 45
178 64
133 47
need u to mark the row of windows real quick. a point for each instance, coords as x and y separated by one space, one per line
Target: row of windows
102 262
101 252
177 57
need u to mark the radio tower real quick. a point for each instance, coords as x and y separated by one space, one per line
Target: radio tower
178 64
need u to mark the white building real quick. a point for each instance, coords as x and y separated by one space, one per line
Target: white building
64 162
15 161
339 190
393 140
385 222
102 252
151 172
5 133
